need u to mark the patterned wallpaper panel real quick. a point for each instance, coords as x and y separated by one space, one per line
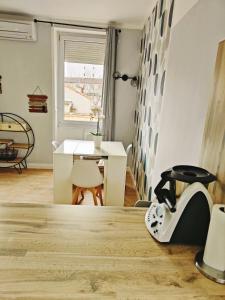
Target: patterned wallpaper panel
154 50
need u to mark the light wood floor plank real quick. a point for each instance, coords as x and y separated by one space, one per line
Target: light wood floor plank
36 186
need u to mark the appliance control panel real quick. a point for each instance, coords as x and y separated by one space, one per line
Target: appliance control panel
155 219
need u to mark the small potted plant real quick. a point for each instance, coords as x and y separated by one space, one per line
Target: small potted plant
96 113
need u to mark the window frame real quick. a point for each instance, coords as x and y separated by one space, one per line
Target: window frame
75 36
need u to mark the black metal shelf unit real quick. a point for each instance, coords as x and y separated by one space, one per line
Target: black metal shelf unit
25 147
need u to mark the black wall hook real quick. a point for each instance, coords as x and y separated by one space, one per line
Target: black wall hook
125 77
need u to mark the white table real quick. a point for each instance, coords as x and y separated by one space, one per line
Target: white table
114 169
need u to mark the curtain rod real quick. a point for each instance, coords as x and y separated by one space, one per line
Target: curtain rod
67 24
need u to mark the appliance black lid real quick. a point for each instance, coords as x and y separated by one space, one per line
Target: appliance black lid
189 174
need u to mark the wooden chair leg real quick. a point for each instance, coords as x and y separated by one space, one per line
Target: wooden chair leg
76 195
94 196
99 194
82 196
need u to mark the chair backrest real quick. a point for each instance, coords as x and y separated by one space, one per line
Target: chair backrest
129 147
55 144
128 151
86 174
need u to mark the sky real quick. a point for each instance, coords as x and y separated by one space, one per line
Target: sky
83 70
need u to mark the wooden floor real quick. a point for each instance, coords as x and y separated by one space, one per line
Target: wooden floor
36 186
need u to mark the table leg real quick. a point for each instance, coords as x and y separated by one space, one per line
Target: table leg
115 177
62 167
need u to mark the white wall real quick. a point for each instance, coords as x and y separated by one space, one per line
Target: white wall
181 8
23 66
126 95
193 49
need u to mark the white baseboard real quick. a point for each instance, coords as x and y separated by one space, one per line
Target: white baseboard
39 166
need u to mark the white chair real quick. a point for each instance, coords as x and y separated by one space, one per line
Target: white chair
86 176
129 147
128 151
55 145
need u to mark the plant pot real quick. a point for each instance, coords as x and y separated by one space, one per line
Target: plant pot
97 140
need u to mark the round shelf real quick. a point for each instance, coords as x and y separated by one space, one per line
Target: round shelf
15 125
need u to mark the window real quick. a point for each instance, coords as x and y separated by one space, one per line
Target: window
81 68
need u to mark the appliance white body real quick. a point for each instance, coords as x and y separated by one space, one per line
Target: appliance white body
161 222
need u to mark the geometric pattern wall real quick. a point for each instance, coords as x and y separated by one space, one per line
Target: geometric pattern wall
152 75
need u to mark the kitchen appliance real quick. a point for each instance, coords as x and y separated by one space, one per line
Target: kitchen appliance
184 219
211 261
15 27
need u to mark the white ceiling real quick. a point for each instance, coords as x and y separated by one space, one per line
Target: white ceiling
127 13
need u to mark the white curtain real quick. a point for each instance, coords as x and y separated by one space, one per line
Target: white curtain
108 94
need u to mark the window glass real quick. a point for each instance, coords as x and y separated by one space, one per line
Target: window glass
83 77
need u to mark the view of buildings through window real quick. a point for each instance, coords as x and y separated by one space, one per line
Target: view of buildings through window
82 90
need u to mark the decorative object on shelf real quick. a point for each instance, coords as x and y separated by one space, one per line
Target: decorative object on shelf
8 154
4 143
37 102
125 77
96 113
0 84
15 150
211 261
